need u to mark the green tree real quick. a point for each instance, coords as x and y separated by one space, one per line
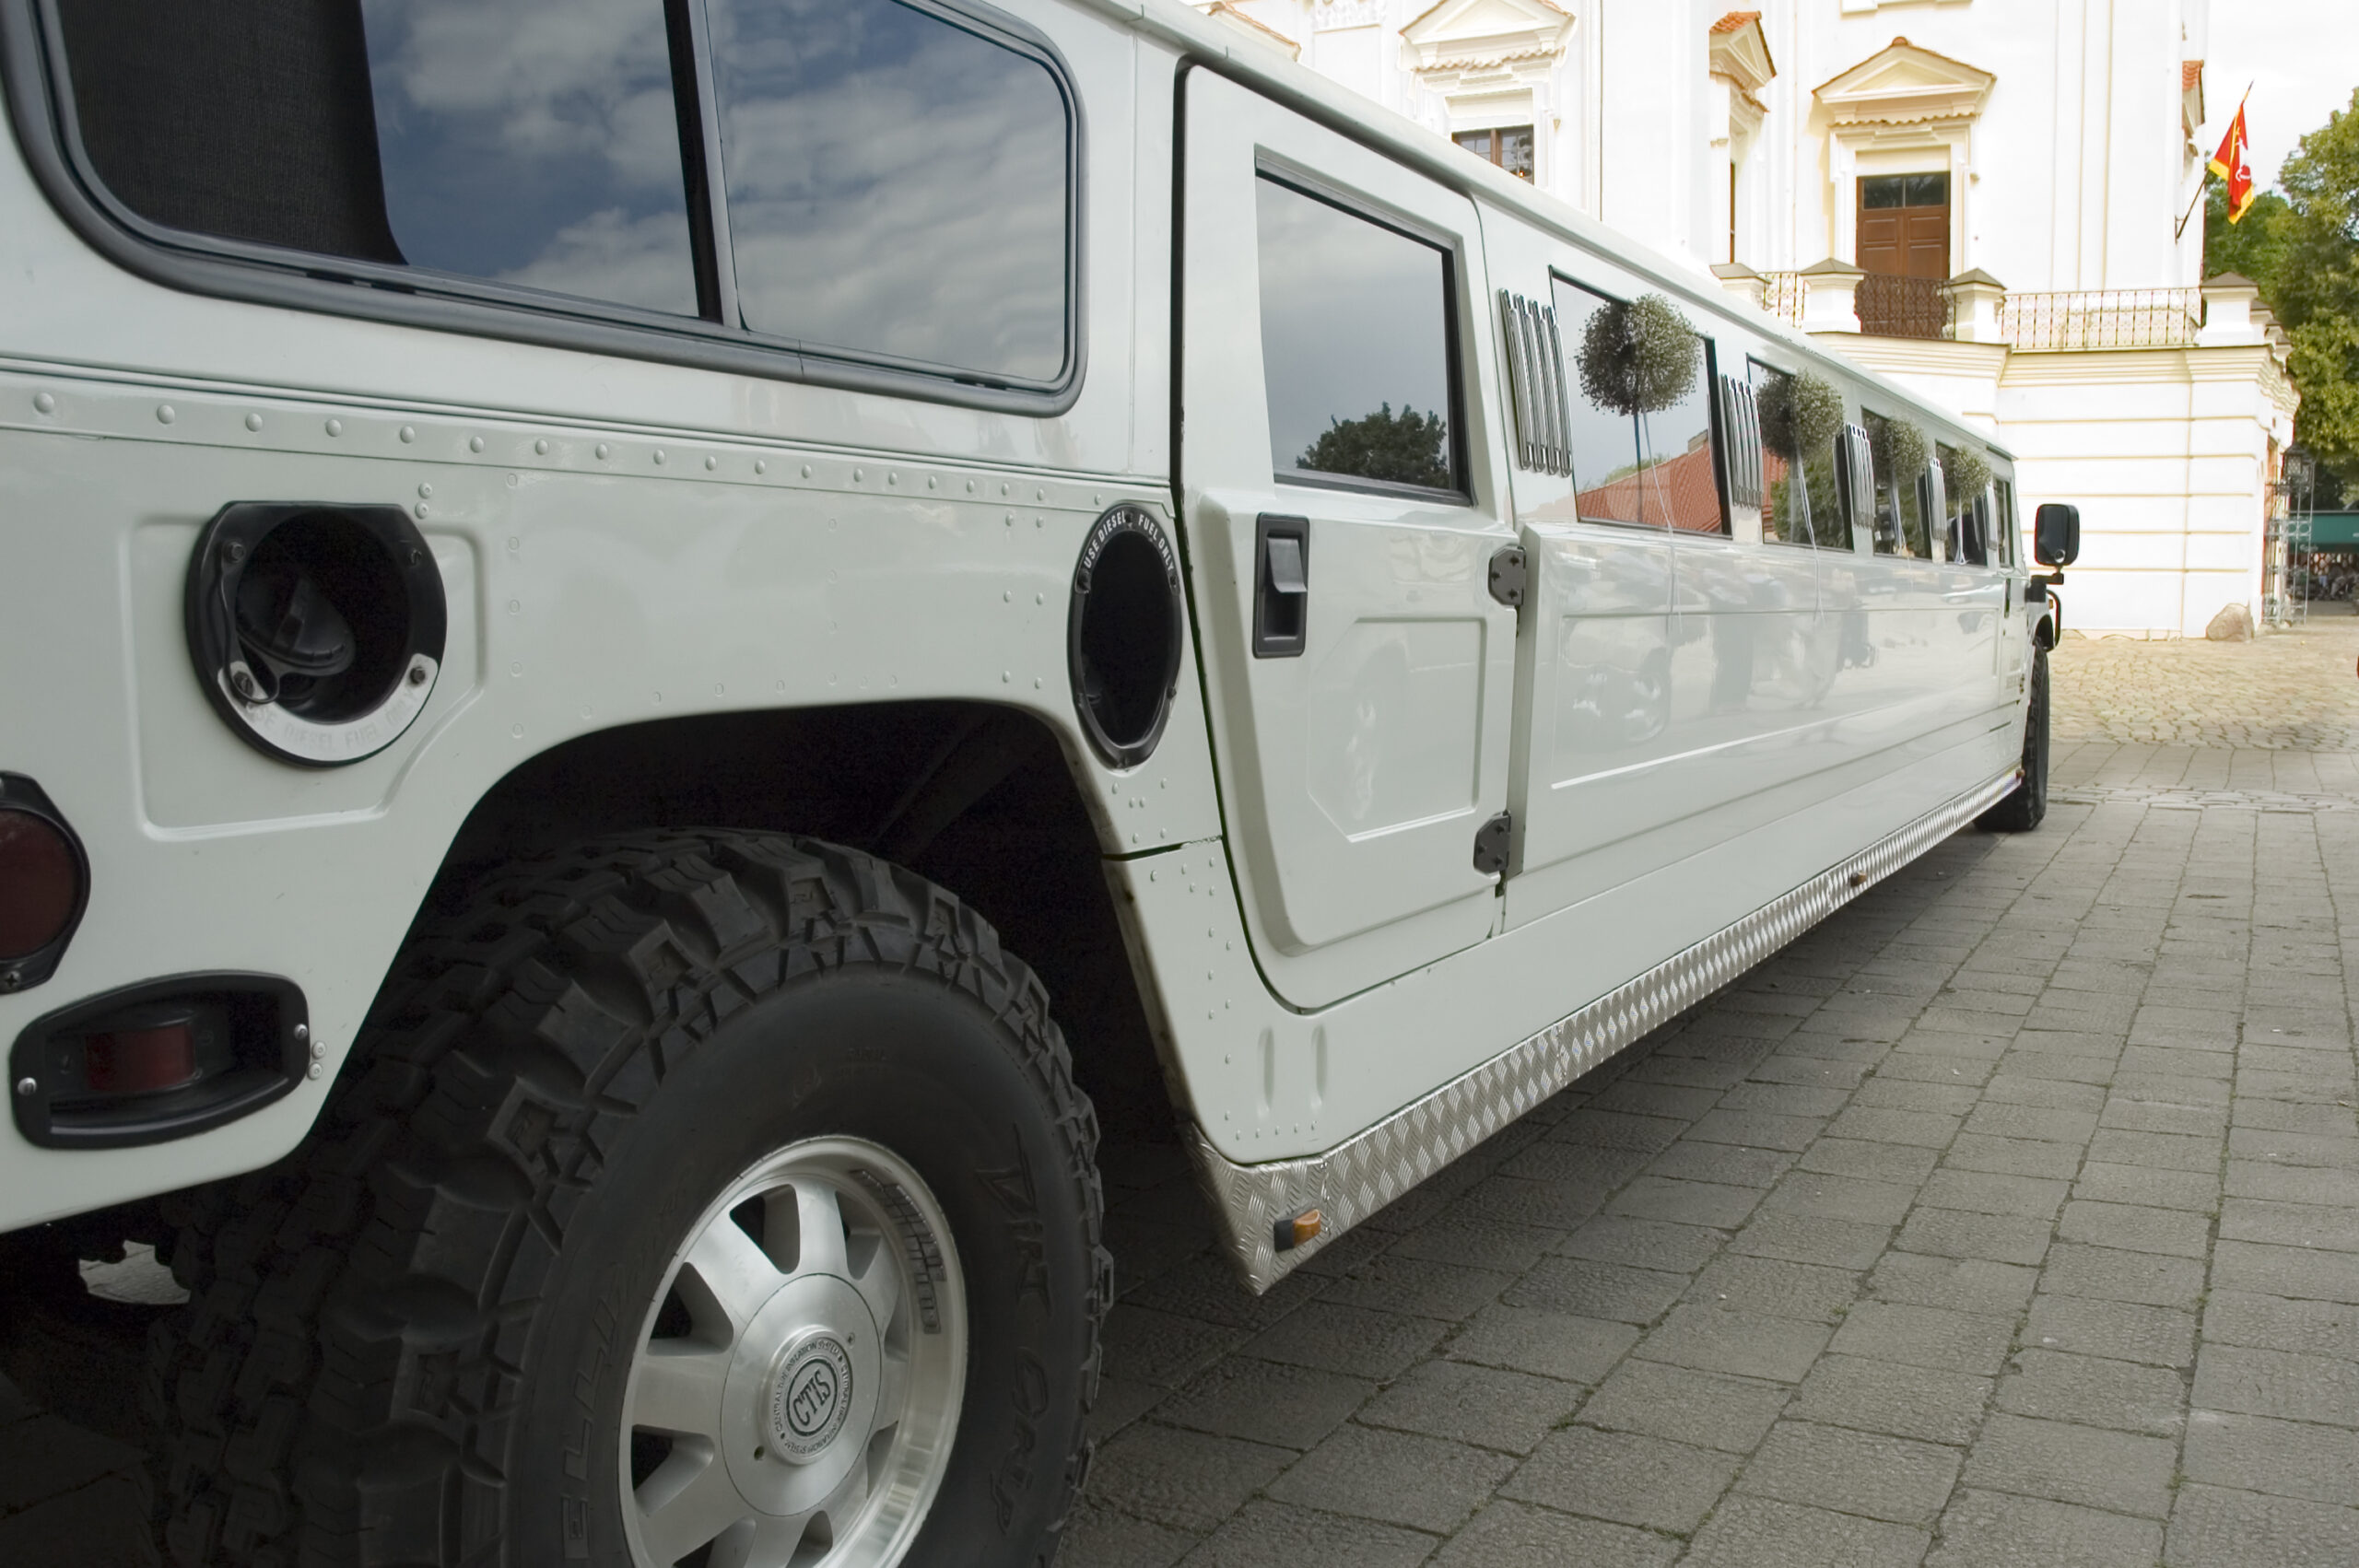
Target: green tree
2305 254
1407 447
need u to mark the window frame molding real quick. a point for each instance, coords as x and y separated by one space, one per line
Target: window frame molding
41 109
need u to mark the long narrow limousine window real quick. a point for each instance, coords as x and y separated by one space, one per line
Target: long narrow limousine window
1636 460
1897 450
1356 347
895 178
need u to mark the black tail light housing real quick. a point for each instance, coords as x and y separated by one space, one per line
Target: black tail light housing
158 1060
44 884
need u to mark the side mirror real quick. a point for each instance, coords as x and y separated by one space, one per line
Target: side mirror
2056 534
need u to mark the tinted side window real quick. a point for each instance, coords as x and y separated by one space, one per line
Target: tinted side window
896 184
530 142
1785 505
1604 441
1900 518
1355 345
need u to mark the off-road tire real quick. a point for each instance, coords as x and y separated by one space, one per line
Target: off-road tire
406 1343
2024 807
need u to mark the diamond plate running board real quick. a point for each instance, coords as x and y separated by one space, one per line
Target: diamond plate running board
1359 1176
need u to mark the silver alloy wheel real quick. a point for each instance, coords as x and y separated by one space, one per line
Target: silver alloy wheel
795 1387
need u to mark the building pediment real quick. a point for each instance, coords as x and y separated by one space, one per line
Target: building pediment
1740 51
1906 84
1468 32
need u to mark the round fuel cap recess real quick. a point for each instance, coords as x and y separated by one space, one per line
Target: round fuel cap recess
1122 635
316 628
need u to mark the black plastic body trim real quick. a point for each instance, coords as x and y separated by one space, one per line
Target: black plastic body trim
19 793
41 112
266 1002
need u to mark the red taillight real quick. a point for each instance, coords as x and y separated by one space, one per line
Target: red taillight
138 1061
40 884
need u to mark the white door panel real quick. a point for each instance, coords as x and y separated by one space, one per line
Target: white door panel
1358 760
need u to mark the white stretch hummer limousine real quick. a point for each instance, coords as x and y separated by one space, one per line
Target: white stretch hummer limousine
583 576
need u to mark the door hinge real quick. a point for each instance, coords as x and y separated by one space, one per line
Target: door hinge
1508 569
1492 841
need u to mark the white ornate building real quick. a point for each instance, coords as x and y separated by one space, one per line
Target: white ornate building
1982 198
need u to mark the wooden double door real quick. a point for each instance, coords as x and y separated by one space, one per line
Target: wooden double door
1904 229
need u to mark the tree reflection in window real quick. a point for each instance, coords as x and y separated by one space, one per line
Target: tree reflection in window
1407 447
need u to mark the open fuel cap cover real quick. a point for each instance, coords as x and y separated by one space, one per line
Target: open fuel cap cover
316 628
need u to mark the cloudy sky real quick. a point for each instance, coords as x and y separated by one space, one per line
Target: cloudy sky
2302 58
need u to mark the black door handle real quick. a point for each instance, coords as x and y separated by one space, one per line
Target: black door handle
1281 586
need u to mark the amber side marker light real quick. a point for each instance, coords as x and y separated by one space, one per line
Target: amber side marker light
1295 1231
44 884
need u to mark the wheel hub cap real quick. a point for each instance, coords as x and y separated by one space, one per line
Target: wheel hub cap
810 1396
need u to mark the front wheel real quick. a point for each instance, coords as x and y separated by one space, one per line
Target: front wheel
2022 809
706 1199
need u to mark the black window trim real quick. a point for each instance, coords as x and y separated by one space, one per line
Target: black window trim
1293 177
40 110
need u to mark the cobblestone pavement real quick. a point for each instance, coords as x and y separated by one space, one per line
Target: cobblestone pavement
2292 690
2010 1217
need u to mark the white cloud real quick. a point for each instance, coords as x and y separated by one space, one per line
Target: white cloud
2302 59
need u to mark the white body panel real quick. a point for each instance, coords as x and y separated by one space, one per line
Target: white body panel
622 541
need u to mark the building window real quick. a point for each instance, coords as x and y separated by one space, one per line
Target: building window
1510 147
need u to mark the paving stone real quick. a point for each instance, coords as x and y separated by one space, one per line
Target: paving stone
2293 1184
2288 1225
2095 1390
1475 1245
2153 1116
1783 1067
1807 1238
1757 1130
1684 1202
1644 1244
2287 1116
1903 1164
1705 1408
1776 1286
1748 1344
2277 1383
1842 1197
2119 1471
1399 1478
1204 1289
1681 1102
1931 1095
1967 1284
2017 1086
1880 1396
2158 1336
1894 1478
1613 1129
1488 1406
1878 1124
1120 1402
2137 1228
1420 1287
1162 1348
2045 1123
2112 1274
2012 1156
2283 1458
1590 1289
1990 1530
1990 1192
1785 1099
2285 1271
1726 1163
1274 1535
2213 1527
1546 1343
1758 1532
1106 1537
2194 1191
1623 1477
1349 1340
1292 1406
2163 1151
2337 1151
1926 1336
1191 1480
1953 1233
1511 1535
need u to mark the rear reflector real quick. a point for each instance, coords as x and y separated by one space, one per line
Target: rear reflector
40 883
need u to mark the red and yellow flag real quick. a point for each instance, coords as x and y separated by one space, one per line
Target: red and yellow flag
2233 163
